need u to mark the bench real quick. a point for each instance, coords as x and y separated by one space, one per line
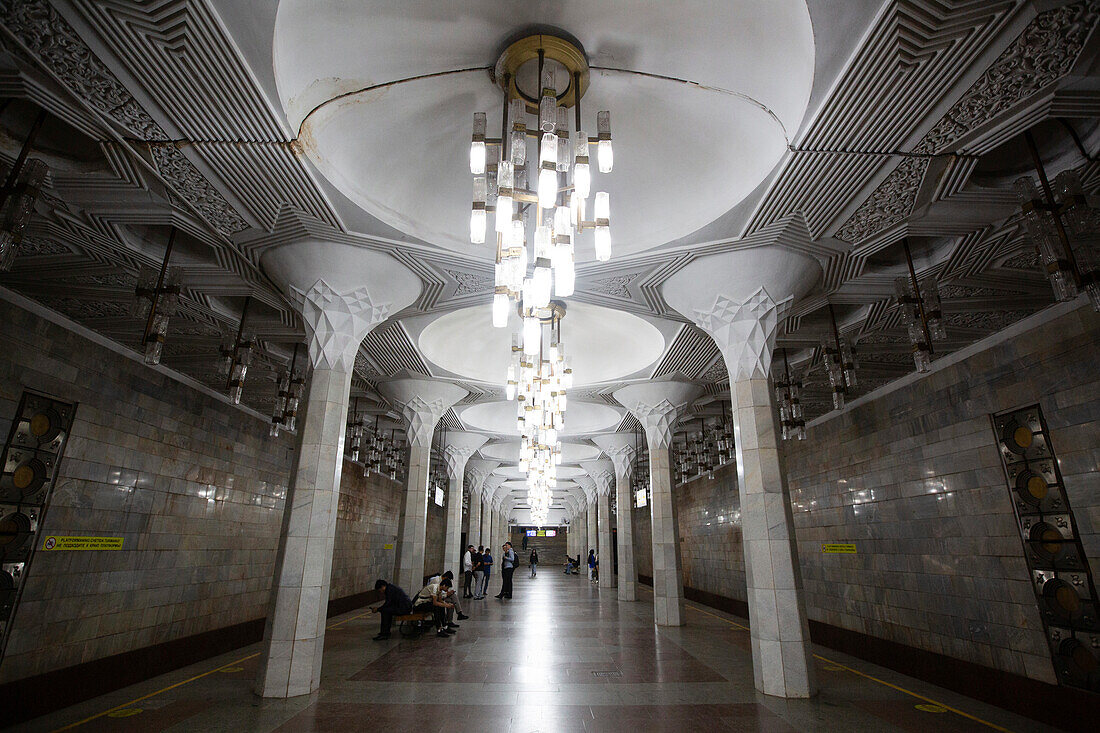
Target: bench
412 625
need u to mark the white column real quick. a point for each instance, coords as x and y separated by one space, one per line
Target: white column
603 473
294 634
478 469
620 448
742 312
422 402
657 405
459 448
782 656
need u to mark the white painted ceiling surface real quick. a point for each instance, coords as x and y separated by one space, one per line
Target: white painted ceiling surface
685 152
581 418
508 451
602 344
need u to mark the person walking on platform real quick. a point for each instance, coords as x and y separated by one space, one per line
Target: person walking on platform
467 571
534 560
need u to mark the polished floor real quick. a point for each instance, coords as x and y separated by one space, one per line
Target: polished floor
563 655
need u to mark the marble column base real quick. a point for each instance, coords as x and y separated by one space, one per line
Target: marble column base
603 530
294 635
409 571
628 574
668 585
452 549
781 653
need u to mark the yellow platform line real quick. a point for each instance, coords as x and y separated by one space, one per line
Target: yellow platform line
891 685
181 683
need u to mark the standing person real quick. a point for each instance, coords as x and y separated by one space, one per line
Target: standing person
479 572
534 560
487 566
397 603
525 539
507 568
591 563
467 571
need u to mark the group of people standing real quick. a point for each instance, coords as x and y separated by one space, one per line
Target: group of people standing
439 596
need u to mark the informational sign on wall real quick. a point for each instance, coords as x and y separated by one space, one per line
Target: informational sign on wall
53 542
387 546
839 548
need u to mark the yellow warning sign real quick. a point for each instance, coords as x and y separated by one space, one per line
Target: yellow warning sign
82 543
387 546
839 549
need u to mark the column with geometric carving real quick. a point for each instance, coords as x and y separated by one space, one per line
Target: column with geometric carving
422 402
620 448
478 470
742 313
657 404
603 472
459 448
337 317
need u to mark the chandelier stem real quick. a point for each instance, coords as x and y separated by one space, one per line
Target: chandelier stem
21 159
159 289
920 300
237 342
836 342
505 138
1048 194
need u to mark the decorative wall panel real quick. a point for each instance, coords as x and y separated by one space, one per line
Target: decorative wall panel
1060 573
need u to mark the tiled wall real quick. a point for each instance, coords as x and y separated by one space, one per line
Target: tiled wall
434 539
708 511
366 521
913 478
193 485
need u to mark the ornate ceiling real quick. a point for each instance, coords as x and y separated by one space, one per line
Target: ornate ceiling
170 113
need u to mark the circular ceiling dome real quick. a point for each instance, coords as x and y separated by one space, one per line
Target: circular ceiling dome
508 451
580 417
602 344
564 472
703 97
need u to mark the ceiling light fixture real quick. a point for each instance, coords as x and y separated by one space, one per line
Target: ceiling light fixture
920 312
547 217
1064 228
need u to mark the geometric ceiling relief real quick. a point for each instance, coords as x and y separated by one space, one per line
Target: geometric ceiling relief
705 104
703 114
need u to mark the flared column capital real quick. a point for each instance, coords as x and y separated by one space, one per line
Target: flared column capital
460 447
602 472
620 448
657 405
477 470
422 402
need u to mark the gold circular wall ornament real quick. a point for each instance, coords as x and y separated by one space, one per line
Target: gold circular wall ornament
1047 540
29 476
45 425
555 48
1080 658
1032 487
1063 598
1016 437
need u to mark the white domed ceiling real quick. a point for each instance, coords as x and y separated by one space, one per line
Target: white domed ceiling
602 344
580 418
564 473
508 451
703 98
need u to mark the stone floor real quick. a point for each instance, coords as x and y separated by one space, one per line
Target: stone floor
563 655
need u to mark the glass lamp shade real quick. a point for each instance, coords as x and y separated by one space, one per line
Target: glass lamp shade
582 180
500 308
603 243
477 157
477 226
532 335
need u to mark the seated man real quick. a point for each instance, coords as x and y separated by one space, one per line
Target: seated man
430 600
451 596
396 603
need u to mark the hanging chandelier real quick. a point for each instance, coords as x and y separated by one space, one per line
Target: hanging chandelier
921 313
1064 228
532 184
538 379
